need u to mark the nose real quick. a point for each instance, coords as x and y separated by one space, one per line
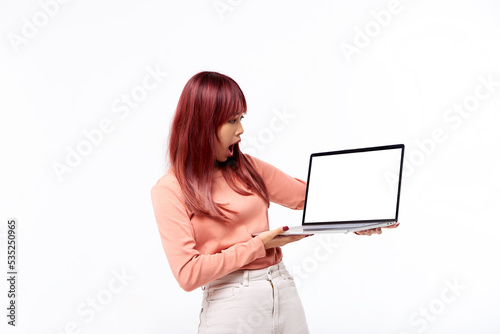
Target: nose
240 129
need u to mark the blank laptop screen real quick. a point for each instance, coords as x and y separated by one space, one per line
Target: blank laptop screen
355 186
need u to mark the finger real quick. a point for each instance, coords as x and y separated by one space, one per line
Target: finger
392 226
283 240
369 232
291 238
282 229
294 235
279 230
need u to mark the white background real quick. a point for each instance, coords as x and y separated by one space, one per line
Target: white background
69 73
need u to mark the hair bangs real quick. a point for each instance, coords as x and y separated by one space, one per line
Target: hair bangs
230 102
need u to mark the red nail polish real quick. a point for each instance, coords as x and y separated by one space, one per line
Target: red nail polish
285 228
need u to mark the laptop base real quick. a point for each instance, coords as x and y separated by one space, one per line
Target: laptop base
337 228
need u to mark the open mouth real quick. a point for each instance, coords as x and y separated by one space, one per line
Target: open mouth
231 148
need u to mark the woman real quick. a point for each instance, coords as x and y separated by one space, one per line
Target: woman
210 202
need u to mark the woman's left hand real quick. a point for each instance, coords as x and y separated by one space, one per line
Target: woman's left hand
377 230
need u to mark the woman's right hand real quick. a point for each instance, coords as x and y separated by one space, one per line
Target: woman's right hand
272 239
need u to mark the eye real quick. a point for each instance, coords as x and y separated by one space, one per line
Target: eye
233 121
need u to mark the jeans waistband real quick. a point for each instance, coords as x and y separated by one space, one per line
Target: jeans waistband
247 275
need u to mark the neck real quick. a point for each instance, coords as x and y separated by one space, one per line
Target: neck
216 166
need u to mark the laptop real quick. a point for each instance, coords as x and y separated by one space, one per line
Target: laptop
352 190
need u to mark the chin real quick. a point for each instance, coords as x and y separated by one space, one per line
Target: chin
229 161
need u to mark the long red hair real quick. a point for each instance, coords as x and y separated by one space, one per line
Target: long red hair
209 100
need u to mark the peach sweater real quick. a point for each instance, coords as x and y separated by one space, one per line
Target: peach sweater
200 249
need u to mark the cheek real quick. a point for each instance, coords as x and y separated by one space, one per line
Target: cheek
224 132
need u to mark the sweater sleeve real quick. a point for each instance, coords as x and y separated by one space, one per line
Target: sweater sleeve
190 268
282 188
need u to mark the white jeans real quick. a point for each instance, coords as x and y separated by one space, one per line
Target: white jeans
258 301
